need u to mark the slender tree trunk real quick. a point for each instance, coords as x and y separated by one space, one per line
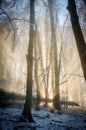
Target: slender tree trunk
56 99
28 100
48 74
40 67
80 42
47 77
38 88
56 71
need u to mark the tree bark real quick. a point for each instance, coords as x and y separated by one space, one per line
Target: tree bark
80 42
28 100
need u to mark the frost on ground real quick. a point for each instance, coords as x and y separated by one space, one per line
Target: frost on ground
44 120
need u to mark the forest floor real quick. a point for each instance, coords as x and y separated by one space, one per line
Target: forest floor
66 119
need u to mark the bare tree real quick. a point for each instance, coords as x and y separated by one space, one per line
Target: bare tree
56 98
36 67
80 42
28 101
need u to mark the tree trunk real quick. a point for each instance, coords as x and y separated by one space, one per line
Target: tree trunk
28 100
84 2
38 88
40 66
56 98
81 45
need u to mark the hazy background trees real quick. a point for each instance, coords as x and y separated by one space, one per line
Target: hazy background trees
55 66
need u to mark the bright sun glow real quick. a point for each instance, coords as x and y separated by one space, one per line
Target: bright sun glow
50 105
50 95
41 104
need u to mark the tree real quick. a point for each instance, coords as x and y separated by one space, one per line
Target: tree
80 42
84 2
28 101
36 67
0 2
56 98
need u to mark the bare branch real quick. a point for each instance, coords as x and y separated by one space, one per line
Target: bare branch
72 74
7 35
26 20
13 4
76 75
14 30
63 82
7 16
45 70
45 3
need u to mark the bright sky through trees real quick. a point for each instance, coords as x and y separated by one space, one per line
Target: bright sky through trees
62 11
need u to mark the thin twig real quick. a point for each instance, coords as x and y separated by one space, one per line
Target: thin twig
73 74
76 75
63 82
45 70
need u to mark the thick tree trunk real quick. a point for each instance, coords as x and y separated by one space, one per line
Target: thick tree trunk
56 98
84 2
81 45
0 2
28 100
